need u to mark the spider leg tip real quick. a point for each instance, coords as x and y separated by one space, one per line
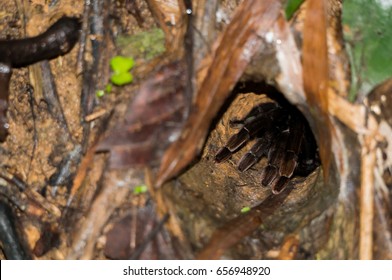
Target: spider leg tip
222 155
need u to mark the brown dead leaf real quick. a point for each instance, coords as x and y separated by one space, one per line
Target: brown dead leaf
153 120
228 60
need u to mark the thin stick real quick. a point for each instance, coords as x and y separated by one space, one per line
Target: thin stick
368 164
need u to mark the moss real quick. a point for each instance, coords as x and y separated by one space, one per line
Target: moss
144 45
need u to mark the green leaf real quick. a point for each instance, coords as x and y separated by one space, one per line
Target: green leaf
100 93
291 7
121 64
140 189
368 36
120 79
246 209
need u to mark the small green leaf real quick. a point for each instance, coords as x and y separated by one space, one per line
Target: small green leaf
100 93
246 209
120 79
108 88
291 7
121 64
140 189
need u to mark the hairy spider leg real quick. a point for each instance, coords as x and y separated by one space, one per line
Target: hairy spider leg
283 137
296 131
277 174
259 149
271 174
284 158
258 119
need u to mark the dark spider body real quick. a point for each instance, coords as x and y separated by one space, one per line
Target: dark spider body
283 136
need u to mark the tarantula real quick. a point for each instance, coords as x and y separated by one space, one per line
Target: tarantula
283 136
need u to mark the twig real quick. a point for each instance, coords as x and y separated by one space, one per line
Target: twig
80 65
11 240
51 96
112 194
80 176
139 250
354 117
95 115
368 164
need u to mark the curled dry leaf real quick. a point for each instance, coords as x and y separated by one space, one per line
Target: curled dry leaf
228 60
153 120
